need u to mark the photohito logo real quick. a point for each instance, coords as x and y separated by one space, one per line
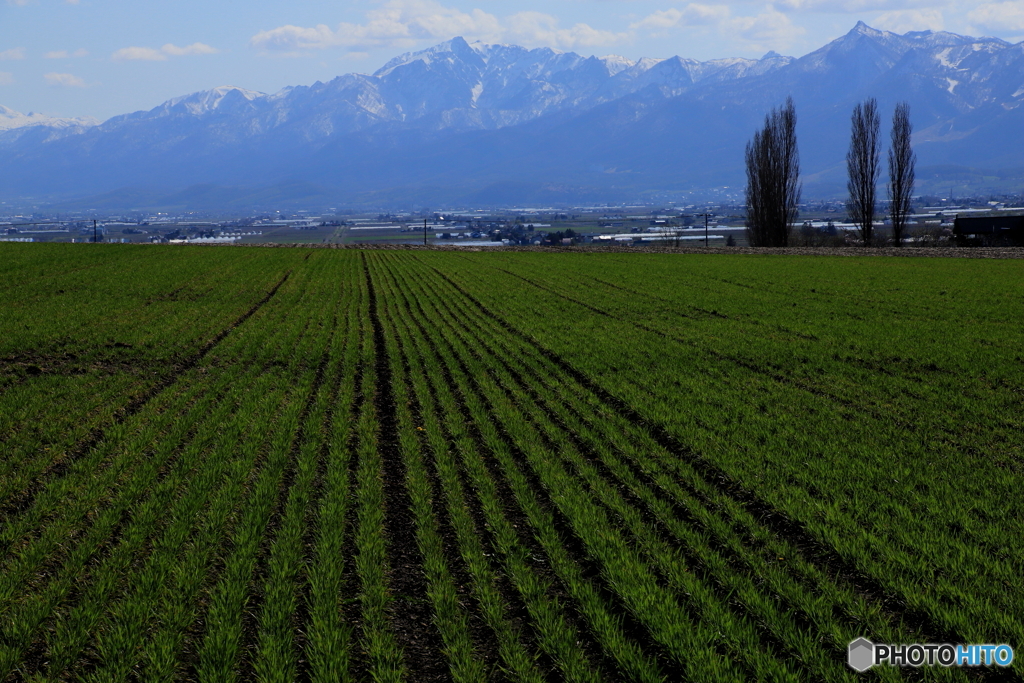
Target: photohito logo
862 654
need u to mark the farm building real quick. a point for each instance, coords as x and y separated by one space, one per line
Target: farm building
991 228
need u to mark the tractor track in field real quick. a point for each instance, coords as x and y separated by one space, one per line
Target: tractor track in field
831 562
61 467
410 611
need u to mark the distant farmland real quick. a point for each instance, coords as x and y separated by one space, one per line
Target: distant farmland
323 465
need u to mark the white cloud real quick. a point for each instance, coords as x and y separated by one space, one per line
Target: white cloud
193 49
19 3
288 37
854 6
150 54
770 30
6 78
902 21
401 23
536 28
65 80
998 16
13 53
64 54
692 15
127 54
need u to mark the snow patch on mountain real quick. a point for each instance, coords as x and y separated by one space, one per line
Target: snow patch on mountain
616 63
207 101
943 58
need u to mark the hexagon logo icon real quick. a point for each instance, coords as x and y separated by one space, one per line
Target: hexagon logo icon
861 654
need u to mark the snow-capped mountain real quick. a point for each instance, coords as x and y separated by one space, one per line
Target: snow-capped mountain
478 121
452 86
10 119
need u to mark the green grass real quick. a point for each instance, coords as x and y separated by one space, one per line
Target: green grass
614 466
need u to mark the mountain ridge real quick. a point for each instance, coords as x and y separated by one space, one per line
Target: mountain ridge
460 117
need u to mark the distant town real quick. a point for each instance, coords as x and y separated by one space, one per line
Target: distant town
823 223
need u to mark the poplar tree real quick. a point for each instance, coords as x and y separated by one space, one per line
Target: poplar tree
773 179
862 167
901 171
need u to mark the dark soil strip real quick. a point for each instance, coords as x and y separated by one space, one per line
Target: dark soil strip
58 469
411 613
349 597
485 644
826 557
519 616
18 369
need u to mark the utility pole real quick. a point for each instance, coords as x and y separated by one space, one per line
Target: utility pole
705 231
95 238
424 232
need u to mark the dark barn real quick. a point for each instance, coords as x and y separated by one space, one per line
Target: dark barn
991 229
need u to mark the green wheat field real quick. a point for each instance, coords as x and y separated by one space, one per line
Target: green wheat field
234 464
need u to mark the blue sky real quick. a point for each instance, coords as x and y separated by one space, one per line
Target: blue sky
100 58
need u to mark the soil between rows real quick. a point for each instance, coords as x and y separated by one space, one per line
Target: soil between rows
411 614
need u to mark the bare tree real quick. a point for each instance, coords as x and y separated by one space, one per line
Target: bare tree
773 179
862 167
901 171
